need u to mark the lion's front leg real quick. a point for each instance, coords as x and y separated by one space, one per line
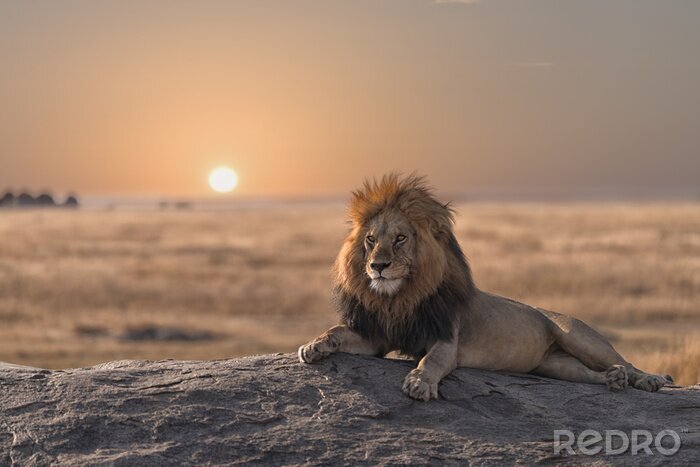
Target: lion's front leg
337 339
422 382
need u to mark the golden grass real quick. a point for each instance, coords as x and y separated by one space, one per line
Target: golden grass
679 357
71 283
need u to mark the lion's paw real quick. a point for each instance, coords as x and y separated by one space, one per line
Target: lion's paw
651 383
311 352
616 378
419 389
318 349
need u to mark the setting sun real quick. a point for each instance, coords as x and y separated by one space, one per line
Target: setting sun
223 179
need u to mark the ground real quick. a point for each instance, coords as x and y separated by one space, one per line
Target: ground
273 410
87 286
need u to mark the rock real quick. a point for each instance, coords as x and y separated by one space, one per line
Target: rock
347 409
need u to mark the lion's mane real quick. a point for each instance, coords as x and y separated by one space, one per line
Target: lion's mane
439 284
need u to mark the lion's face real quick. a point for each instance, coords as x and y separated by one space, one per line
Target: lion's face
390 247
401 248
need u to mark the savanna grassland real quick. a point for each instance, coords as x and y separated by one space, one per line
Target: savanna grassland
86 286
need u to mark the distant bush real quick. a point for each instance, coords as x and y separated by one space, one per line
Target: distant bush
26 200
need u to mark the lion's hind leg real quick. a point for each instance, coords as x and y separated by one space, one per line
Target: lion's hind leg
593 350
561 365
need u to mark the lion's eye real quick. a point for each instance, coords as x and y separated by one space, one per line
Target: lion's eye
400 238
370 239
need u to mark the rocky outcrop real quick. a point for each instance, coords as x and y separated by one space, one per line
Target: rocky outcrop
346 409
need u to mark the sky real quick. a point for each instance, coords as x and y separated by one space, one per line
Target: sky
307 98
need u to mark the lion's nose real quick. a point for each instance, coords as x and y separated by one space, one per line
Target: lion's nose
379 267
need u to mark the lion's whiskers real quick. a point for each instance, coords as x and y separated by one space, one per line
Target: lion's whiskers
386 286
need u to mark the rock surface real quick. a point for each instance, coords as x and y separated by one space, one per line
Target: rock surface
272 409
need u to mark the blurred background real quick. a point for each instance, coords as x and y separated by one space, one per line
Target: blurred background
195 159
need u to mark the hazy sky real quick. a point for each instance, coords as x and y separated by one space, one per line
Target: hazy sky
308 97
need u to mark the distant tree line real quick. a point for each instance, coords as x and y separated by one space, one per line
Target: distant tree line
26 200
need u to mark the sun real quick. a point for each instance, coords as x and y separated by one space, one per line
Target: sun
223 179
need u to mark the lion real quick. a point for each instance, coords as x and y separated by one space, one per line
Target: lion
402 283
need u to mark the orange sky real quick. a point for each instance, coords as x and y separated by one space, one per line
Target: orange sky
308 97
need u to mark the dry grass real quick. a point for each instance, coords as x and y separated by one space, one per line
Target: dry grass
72 283
679 357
